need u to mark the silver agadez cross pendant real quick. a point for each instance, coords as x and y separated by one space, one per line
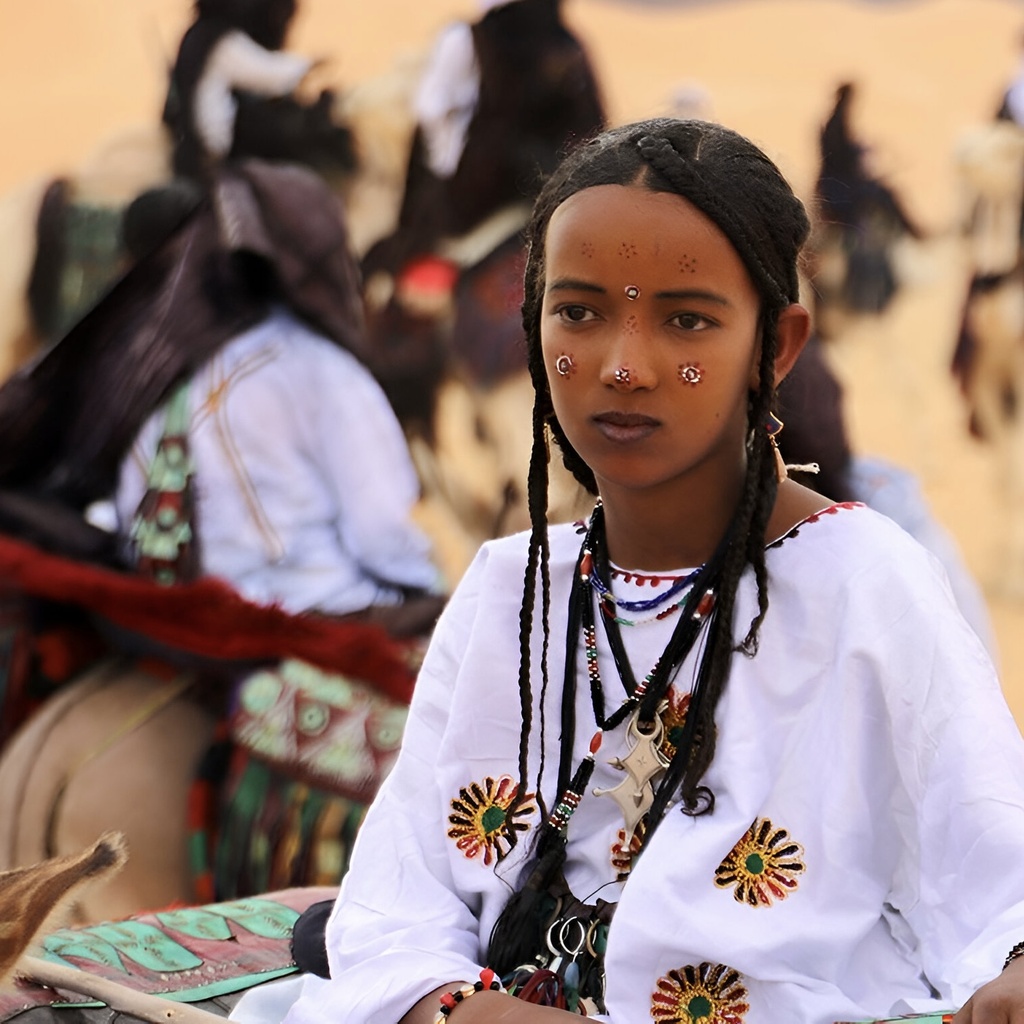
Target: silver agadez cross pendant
642 765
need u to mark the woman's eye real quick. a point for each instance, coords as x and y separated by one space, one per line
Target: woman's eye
692 321
574 314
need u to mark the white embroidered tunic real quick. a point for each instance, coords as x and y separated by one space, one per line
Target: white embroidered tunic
304 483
865 846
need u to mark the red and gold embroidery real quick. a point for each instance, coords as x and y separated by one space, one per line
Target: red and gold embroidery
763 866
673 718
479 820
702 994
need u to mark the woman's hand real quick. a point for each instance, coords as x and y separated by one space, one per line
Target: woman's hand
1001 1001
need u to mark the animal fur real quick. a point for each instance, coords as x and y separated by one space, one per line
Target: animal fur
33 898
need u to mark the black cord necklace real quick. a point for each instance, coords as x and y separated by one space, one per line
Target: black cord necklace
643 699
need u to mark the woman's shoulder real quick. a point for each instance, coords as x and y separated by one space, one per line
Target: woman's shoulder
849 528
855 563
846 542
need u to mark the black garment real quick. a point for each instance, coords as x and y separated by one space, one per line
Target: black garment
538 98
279 128
847 194
309 945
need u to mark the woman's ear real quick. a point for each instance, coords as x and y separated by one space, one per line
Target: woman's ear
794 328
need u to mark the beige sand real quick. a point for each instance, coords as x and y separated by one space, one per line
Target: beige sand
74 71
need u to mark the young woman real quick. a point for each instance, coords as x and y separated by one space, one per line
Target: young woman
726 753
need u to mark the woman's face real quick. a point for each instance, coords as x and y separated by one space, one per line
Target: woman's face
650 337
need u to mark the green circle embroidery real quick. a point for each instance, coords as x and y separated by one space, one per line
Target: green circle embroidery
312 719
700 994
492 819
479 820
763 867
699 1006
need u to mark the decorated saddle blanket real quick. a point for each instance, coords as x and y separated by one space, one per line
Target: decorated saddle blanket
189 954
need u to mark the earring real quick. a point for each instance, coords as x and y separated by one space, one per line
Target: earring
774 428
632 292
622 375
690 373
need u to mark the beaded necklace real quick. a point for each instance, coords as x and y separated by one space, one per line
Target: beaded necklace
658 608
643 700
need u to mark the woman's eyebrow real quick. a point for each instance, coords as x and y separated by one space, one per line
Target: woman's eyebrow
694 293
576 285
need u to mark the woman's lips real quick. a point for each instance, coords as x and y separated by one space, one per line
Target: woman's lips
623 427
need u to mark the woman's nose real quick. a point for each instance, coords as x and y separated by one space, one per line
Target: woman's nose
627 365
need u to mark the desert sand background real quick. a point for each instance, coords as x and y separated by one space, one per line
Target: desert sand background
72 72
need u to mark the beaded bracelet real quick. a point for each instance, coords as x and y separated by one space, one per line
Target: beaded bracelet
1017 951
488 980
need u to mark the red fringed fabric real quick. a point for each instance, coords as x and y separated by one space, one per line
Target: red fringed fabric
209 619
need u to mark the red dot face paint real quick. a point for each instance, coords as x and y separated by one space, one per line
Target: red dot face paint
627 250
688 265
691 373
632 325
587 250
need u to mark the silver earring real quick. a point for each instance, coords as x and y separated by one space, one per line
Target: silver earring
632 292
691 373
622 375
564 366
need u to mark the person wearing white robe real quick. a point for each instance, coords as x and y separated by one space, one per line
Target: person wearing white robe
305 486
869 729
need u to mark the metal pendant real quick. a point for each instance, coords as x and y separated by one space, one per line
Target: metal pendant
642 765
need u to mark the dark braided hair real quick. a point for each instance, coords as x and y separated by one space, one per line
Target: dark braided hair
736 186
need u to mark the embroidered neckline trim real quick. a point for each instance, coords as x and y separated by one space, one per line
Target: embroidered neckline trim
640 579
830 510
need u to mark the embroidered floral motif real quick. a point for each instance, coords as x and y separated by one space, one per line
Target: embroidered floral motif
763 866
673 718
479 818
704 994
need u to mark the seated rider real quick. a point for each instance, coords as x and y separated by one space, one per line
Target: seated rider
219 392
499 102
230 93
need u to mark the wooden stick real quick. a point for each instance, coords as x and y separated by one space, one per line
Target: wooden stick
117 996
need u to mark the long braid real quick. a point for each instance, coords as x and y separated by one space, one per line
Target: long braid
515 934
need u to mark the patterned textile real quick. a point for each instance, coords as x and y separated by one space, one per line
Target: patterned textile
332 731
272 830
163 532
188 954
306 751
